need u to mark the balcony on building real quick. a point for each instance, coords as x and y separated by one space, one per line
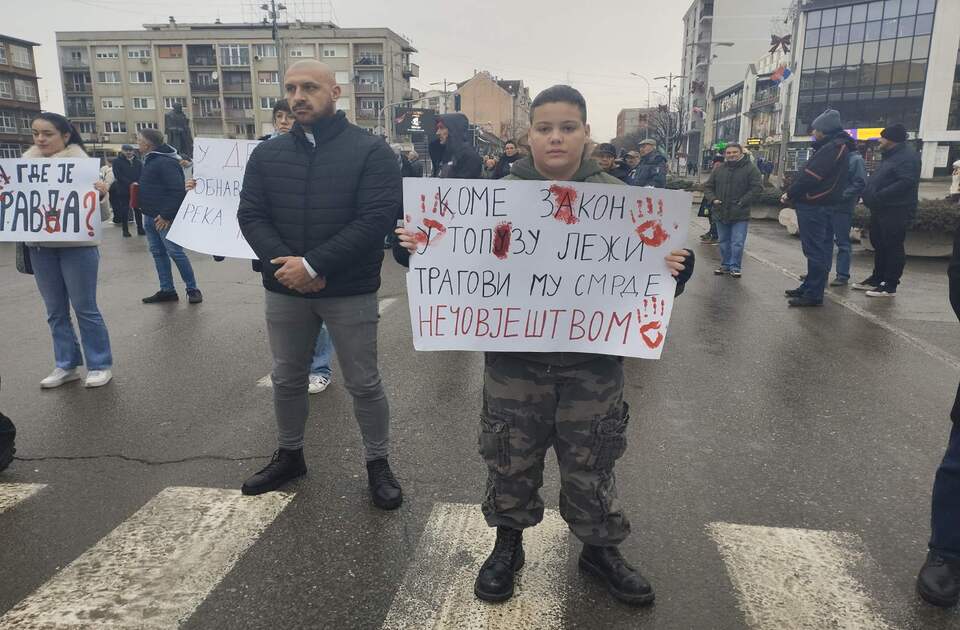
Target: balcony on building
237 82
238 115
77 83
75 59
205 82
368 88
766 97
209 113
411 70
368 114
201 56
364 58
80 107
707 11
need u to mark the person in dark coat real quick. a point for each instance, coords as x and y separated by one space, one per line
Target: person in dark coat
126 172
452 154
606 156
652 169
162 189
410 165
315 207
815 192
510 155
891 195
730 190
939 580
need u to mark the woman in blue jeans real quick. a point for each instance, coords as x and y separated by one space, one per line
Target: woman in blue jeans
66 275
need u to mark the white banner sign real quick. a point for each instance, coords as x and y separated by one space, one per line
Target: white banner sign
49 199
533 266
207 219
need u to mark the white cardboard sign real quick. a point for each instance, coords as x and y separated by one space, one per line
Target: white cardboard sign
49 199
537 266
207 219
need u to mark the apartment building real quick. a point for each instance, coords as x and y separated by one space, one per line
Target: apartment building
227 77
19 98
499 107
634 119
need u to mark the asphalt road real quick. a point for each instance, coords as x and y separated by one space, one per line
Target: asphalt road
818 429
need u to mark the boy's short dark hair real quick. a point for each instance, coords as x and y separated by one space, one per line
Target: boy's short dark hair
281 106
153 136
733 145
560 94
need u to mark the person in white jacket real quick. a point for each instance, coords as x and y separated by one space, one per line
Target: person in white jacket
66 275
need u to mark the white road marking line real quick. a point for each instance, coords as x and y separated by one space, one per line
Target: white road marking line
437 589
154 569
796 578
13 493
384 304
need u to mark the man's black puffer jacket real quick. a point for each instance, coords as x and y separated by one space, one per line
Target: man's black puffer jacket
332 204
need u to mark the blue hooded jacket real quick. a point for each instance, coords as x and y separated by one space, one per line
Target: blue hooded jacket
162 184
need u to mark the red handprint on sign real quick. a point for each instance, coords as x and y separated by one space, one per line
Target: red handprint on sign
650 320
434 224
648 221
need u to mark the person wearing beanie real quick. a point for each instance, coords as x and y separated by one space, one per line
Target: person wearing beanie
891 195
816 191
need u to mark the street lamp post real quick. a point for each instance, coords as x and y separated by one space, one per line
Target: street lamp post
640 76
670 78
683 97
444 83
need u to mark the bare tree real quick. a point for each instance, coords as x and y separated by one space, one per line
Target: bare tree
667 127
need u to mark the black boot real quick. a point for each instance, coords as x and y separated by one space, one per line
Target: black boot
285 466
804 301
939 580
622 580
384 487
793 293
495 580
126 230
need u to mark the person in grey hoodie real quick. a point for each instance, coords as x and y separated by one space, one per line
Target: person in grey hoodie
842 218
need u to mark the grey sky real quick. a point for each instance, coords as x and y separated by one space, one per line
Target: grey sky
591 45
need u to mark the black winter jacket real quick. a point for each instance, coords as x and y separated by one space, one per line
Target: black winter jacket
824 177
895 185
162 184
332 204
456 159
125 172
651 171
504 164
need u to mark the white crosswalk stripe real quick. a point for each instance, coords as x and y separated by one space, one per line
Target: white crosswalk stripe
796 579
13 493
437 589
154 569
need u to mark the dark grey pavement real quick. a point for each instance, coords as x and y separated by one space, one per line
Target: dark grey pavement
827 419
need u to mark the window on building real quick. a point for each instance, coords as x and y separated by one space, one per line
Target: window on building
143 102
170 101
267 102
238 102
268 78
234 55
170 52
26 90
342 78
265 51
173 78
138 53
20 56
6 88
110 76
335 50
107 52
114 102
9 151
140 76
8 122
343 103
301 51
86 127
25 119
115 126
146 125
3 54
953 118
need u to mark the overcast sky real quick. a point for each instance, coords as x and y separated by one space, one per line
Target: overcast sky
593 46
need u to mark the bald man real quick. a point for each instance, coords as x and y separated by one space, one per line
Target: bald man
315 207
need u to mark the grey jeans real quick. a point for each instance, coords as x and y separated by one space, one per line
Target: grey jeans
292 326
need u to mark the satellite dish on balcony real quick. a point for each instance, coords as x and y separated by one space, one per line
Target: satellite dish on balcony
214 76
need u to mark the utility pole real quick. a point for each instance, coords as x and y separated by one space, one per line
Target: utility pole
272 10
670 78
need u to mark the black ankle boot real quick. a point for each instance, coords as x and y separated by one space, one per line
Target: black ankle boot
622 580
495 580
384 488
285 466
939 580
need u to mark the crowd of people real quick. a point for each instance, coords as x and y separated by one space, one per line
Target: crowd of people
318 198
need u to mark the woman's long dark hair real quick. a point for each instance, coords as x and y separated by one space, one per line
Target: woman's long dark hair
63 126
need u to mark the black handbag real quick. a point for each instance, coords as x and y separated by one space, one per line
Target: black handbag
704 209
23 259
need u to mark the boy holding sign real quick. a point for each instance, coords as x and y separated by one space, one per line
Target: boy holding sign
572 401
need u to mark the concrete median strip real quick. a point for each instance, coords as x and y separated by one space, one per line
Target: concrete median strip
13 493
153 570
797 579
437 590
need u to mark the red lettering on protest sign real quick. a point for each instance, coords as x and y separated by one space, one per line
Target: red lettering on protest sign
564 197
52 216
501 240
90 200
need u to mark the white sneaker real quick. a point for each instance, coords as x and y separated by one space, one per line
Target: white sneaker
98 378
318 383
58 377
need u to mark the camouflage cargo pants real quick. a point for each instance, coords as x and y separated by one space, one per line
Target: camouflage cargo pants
579 410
